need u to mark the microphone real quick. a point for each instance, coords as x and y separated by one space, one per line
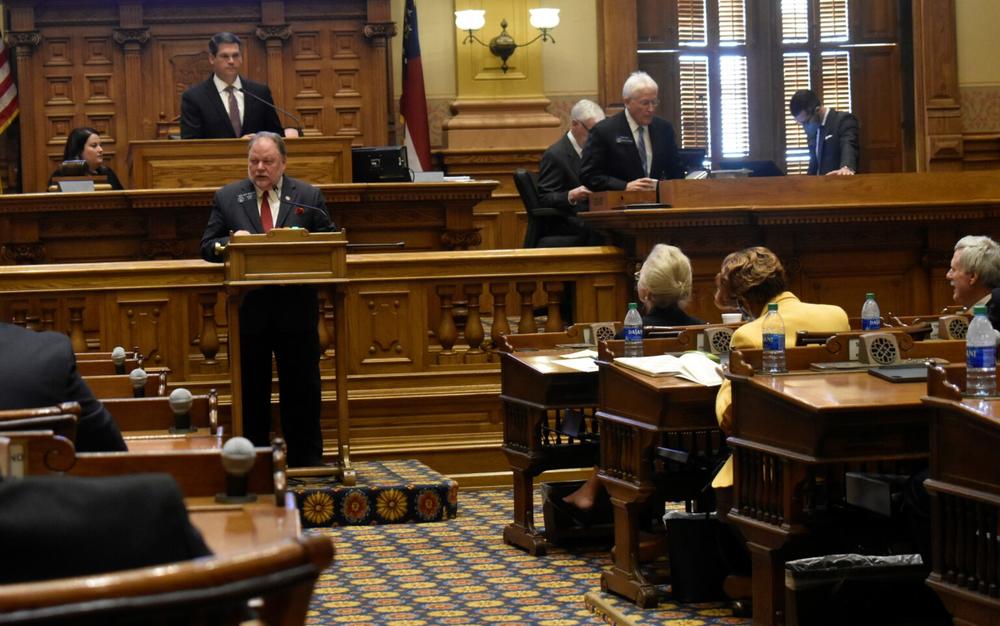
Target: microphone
238 457
118 358
298 122
180 402
138 378
307 207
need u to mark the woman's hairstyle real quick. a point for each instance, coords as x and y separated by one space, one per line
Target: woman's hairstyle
666 274
754 274
76 141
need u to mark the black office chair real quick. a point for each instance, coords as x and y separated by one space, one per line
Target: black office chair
547 227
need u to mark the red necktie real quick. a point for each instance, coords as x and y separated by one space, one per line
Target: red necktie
265 213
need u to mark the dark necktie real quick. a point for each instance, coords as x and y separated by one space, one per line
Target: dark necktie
265 213
642 150
819 149
234 112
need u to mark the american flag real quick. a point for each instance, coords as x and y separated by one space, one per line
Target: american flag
413 101
8 90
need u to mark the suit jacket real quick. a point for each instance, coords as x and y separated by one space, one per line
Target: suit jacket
38 369
234 207
840 144
797 316
203 115
558 174
60 526
611 160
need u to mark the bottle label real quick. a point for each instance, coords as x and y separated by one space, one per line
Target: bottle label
633 333
774 341
981 356
871 323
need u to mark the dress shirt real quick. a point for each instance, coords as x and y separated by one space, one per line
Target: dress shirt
237 85
576 146
273 200
634 127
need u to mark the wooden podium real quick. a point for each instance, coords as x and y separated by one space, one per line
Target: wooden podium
291 256
165 164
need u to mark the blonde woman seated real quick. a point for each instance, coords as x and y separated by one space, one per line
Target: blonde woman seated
752 279
664 287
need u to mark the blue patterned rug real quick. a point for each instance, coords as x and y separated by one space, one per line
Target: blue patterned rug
387 492
460 571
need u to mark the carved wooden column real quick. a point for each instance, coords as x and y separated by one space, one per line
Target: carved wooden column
131 36
935 75
274 37
378 34
527 322
23 38
500 324
617 47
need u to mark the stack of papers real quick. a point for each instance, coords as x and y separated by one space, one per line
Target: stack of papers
693 366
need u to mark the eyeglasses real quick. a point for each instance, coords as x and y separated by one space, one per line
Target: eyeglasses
647 104
636 276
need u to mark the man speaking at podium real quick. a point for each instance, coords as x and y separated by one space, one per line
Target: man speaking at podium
633 149
279 319
227 106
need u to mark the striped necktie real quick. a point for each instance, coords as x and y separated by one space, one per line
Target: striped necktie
234 112
642 150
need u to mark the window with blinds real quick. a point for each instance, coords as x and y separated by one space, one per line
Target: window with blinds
815 55
713 79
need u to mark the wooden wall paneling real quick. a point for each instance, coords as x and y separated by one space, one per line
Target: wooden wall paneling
617 42
937 100
878 103
875 21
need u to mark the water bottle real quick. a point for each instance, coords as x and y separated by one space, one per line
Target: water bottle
633 331
980 355
871 316
774 341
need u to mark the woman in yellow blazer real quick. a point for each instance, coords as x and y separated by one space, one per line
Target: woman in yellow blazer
752 279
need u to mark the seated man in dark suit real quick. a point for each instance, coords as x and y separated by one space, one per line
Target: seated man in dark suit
559 184
58 526
975 275
227 105
832 135
633 149
38 369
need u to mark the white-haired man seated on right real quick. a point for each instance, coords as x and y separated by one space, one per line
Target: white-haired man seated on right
975 275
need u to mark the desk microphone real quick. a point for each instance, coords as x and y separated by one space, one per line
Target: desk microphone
298 122
308 207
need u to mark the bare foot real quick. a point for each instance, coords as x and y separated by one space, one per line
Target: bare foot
582 501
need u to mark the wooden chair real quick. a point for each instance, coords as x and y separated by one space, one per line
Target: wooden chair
120 386
577 334
611 349
213 590
61 419
199 473
154 413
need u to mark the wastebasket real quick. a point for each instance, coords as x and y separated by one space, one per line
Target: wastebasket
697 568
860 590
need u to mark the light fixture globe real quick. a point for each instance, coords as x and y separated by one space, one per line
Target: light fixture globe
544 19
470 19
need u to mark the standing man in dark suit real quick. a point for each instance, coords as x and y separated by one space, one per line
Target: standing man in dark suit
833 135
277 319
633 149
38 369
227 106
559 184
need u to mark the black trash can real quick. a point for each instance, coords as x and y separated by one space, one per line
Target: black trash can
861 590
697 568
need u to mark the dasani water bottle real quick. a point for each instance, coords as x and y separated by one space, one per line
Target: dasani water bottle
774 341
633 331
980 355
871 316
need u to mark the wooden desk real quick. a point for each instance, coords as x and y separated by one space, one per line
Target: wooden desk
829 231
794 438
964 489
537 393
160 440
637 413
168 223
234 528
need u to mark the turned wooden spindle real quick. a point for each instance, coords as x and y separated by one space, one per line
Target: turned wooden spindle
19 313
447 333
500 324
474 332
208 335
49 307
325 336
76 338
527 322
554 289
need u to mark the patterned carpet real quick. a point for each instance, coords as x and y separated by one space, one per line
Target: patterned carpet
459 571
